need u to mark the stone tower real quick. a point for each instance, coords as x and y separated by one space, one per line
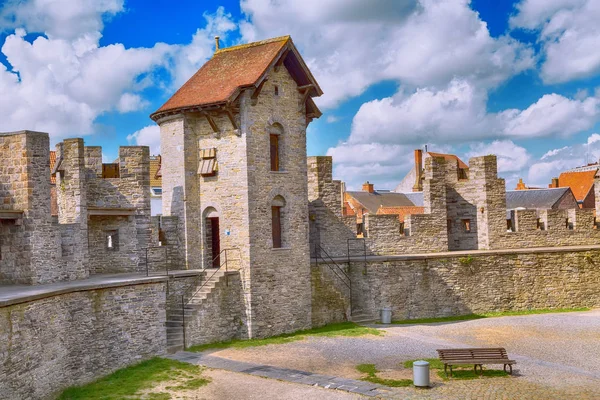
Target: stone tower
233 141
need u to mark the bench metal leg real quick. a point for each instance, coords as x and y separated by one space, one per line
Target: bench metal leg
480 369
510 369
446 370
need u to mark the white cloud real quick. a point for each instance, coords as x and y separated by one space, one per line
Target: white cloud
511 157
555 161
63 80
147 136
59 19
130 102
332 118
459 113
350 45
569 33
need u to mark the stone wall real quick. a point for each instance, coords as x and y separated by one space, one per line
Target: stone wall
222 315
446 285
280 298
330 296
70 339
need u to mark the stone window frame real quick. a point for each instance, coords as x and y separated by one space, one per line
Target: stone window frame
466 224
277 128
278 202
112 240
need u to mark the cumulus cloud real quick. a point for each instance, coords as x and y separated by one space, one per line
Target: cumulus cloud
569 33
62 80
555 161
458 112
511 157
147 136
349 45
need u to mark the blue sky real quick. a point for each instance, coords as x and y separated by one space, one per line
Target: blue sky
518 79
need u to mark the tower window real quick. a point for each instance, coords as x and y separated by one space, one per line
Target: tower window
276 90
277 221
274 144
112 240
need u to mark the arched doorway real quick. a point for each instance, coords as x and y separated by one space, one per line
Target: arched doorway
212 237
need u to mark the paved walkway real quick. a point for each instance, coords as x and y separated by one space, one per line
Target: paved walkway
282 374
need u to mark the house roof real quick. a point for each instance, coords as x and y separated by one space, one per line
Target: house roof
232 69
449 157
401 211
373 201
535 198
52 163
580 182
155 178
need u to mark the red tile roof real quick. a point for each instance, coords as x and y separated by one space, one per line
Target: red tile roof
580 182
52 162
449 157
232 69
401 211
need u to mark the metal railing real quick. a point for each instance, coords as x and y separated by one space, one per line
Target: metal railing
364 254
336 268
166 248
185 295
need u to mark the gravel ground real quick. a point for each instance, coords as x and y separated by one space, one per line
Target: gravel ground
231 385
558 355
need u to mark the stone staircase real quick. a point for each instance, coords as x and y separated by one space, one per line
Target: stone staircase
175 315
362 317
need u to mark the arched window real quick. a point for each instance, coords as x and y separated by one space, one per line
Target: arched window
277 223
276 144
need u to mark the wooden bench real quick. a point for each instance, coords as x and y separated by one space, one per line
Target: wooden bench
476 356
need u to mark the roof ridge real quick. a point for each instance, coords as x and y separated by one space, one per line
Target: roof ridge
253 44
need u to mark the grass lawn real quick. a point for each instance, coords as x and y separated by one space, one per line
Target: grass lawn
486 315
341 329
458 372
371 372
128 383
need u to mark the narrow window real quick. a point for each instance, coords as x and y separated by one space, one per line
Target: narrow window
466 225
449 225
276 90
274 140
509 227
112 240
276 222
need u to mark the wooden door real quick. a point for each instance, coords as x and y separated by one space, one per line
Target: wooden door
215 241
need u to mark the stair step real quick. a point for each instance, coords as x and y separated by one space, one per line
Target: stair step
174 348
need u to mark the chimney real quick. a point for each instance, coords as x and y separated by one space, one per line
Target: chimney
554 183
418 186
216 44
368 187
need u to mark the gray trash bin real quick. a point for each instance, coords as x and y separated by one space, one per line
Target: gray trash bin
386 315
421 374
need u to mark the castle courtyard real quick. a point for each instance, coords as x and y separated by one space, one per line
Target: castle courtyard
556 354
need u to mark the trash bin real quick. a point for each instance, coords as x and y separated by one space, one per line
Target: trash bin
386 315
421 374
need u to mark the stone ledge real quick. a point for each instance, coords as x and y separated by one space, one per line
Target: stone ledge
16 294
454 254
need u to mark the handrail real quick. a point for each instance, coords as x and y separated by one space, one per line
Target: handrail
318 250
364 248
215 272
166 247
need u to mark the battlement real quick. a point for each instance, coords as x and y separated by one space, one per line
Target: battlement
103 223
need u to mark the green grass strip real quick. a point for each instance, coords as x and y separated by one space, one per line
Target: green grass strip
487 315
126 383
371 372
464 371
348 329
